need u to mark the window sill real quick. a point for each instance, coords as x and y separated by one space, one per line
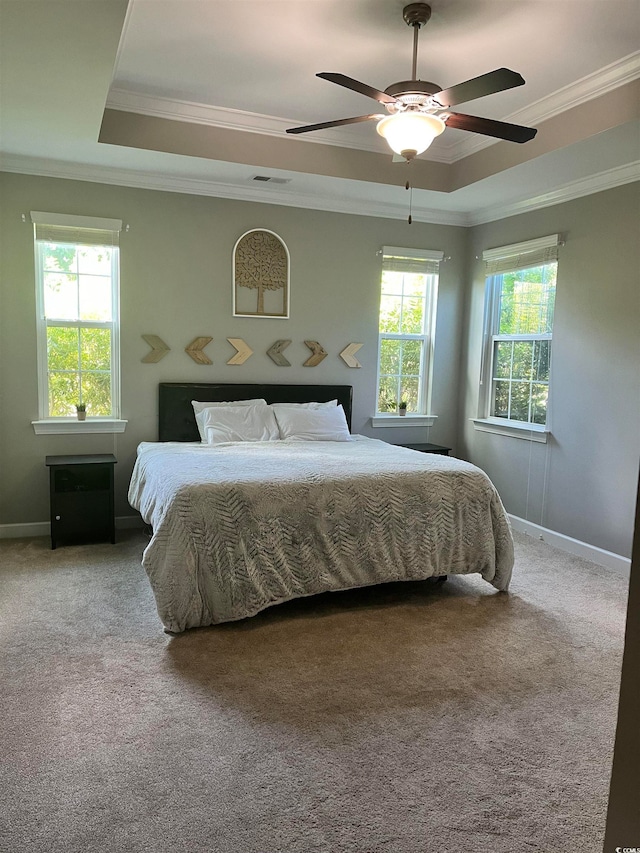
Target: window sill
67 426
515 429
403 420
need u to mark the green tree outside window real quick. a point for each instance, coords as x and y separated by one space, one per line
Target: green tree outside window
77 300
521 355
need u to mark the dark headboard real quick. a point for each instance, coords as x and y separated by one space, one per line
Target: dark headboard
176 420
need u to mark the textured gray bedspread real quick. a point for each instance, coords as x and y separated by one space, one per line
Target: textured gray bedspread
239 527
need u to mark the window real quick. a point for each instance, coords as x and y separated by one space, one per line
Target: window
519 308
77 302
407 321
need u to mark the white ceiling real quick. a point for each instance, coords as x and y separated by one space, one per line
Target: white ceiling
248 67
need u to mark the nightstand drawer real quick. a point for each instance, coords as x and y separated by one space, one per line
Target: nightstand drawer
82 478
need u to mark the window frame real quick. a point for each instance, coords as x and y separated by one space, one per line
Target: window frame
414 257
509 259
48 423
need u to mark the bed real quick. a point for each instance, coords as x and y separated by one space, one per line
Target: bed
239 526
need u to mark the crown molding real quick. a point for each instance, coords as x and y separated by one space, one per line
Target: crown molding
290 198
264 194
231 119
606 180
611 77
190 111
598 83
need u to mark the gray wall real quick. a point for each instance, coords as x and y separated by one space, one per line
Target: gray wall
176 283
583 482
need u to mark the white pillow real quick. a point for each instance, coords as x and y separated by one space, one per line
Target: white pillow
325 424
328 405
239 423
199 407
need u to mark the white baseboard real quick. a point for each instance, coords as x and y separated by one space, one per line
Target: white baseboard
621 565
19 531
43 528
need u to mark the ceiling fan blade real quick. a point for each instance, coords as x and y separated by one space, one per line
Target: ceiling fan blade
308 127
478 87
490 127
357 86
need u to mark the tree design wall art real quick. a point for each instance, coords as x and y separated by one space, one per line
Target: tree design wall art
260 275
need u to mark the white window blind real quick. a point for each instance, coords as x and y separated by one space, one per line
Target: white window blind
75 230
397 259
521 256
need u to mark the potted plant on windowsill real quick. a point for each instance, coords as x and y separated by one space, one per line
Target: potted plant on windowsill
81 411
402 408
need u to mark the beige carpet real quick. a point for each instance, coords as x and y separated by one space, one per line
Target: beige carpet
399 719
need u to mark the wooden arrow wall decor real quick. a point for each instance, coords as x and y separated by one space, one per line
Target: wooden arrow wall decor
319 353
275 353
243 351
195 350
348 355
158 349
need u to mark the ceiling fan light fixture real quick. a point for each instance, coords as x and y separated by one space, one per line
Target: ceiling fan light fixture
412 126
410 133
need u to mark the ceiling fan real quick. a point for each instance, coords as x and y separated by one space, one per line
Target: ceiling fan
419 111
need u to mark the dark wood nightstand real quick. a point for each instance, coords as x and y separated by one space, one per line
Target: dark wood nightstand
81 498
429 448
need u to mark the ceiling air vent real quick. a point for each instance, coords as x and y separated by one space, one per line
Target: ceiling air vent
266 179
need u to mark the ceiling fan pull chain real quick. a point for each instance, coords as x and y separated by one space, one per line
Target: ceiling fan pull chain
408 186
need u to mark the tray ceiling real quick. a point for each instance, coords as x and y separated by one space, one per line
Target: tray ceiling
196 95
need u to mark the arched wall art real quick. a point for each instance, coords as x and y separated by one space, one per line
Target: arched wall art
260 275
